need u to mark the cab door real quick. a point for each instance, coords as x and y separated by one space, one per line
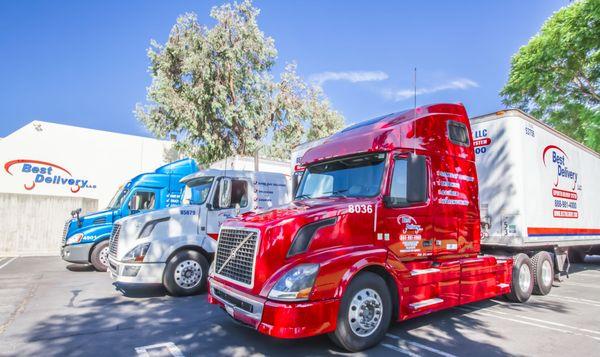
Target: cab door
239 203
406 214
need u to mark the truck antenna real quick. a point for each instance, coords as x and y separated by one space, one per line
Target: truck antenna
415 107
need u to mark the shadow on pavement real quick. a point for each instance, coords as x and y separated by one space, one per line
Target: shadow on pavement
80 267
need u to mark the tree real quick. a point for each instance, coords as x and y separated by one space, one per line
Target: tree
213 87
556 76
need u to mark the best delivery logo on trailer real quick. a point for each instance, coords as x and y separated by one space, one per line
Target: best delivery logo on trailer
36 172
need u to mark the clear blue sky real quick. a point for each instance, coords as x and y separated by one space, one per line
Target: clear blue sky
84 62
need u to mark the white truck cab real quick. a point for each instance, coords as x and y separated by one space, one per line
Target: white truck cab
174 246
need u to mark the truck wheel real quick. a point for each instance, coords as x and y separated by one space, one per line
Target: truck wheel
99 256
521 284
186 273
543 273
576 255
364 314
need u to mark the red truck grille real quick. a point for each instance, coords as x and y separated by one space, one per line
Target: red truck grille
236 254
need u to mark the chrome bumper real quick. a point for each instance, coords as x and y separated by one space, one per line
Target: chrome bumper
231 300
76 253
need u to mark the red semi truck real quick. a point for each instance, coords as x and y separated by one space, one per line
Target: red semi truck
385 225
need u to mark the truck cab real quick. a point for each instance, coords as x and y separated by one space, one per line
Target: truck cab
85 238
174 246
384 226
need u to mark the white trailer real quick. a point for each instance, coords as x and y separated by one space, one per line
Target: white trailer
539 192
174 246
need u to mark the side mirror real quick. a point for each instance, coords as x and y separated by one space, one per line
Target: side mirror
237 209
225 192
417 180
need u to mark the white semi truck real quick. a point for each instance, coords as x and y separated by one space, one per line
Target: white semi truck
174 246
539 193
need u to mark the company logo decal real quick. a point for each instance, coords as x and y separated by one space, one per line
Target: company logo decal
410 233
45 173
558 158
481 141
565 182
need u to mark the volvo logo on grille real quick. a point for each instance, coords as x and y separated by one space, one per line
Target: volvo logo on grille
234 251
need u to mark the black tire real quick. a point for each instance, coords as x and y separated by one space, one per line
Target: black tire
344 336
99 262
576 255
540 263
517 293
175 277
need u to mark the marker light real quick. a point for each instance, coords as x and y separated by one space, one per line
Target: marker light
296 284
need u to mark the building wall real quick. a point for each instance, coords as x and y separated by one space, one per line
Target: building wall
97 162
33 224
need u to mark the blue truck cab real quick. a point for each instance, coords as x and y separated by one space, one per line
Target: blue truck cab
85 238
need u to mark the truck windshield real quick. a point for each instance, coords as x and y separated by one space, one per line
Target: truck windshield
357 176
196 191
117 199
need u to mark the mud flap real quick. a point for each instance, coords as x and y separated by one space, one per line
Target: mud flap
561 262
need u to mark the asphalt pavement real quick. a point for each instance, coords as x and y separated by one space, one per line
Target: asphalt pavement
51 308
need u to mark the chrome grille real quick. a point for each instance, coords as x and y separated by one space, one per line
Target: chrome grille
114 240
235 256
64 234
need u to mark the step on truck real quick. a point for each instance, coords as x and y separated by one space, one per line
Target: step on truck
538 194
85 238
384 226
174 246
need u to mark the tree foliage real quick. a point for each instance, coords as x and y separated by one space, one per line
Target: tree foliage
556 76
213 87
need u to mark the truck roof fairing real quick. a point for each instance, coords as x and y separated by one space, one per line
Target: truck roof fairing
388 132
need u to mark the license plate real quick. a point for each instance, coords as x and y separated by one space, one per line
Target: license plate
229 310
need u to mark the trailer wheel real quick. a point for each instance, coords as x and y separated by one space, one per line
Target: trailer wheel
543 273
521 284
99 256
364 314
186 273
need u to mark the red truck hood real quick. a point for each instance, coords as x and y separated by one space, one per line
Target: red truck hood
279 226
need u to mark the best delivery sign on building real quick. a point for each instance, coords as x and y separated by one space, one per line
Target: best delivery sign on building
37 172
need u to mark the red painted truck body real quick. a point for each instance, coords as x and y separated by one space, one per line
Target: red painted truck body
427 252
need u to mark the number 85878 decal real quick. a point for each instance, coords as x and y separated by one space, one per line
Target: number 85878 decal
360 209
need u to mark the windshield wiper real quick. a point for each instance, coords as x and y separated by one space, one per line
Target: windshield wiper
336 193
302 196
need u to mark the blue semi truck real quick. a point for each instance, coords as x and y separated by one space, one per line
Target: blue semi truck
85 238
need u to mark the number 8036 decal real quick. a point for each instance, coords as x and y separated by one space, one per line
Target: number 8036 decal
360 209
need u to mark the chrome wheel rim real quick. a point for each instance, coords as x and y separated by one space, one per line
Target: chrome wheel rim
103 256
546 273
188 274
365 312
524 277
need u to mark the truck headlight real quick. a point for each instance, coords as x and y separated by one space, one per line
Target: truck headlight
137 254
296 284
75 238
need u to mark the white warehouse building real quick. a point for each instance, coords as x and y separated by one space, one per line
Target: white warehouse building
48 169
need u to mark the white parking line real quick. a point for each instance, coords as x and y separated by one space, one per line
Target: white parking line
8 262
170 346
400 349
574 299
403 348
583 285
541 323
